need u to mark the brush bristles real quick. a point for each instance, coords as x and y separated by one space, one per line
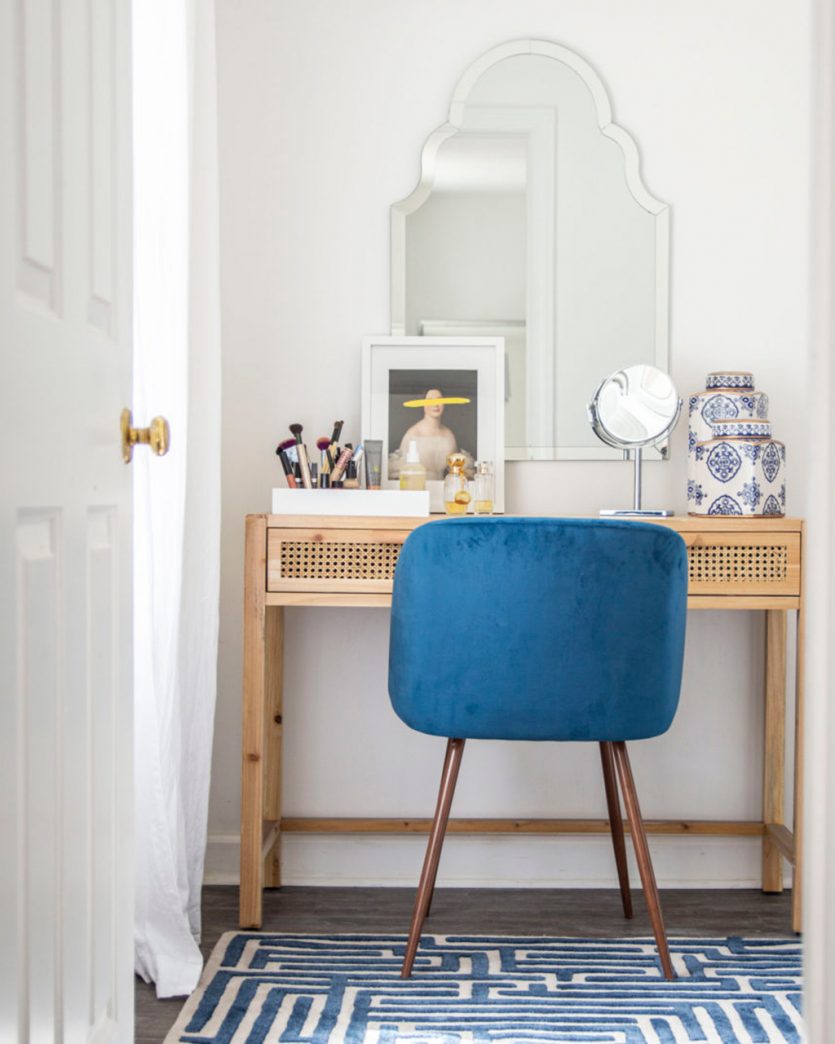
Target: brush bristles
296 429
286 445
323 443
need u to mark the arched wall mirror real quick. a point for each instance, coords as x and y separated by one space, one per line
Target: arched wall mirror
530 221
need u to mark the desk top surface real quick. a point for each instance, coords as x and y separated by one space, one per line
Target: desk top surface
681 523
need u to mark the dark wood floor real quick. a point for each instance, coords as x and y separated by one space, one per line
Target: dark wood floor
578 912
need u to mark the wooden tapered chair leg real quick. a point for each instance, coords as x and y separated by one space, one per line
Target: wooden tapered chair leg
639 840
607 759
447 756
452 763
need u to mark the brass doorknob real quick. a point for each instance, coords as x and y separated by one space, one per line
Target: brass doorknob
157 436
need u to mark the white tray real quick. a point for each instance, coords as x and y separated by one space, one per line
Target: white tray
394 503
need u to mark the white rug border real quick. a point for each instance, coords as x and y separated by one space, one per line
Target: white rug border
213 963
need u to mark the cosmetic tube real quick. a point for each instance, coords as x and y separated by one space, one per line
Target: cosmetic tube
373 462
304 464
357 459
341 464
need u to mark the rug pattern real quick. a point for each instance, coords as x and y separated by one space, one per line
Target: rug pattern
261 988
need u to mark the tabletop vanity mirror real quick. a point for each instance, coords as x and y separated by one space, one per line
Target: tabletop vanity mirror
631 410
530 221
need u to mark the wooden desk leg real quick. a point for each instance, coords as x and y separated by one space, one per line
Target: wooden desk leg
273 729
774 744
797 878
252 770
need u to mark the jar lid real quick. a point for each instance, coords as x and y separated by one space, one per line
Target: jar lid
734 428
484 467
730 379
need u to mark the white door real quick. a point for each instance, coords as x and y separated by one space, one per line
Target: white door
66 928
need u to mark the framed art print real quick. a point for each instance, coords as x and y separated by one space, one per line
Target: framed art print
444 393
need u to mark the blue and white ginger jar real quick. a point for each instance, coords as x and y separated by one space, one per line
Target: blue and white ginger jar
728 395
740 471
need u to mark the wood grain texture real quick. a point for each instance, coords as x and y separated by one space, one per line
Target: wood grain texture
799 774
782 838
774 745
273 710
358 825
681 523
253 743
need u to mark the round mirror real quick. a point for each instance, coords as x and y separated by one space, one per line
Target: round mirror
634 407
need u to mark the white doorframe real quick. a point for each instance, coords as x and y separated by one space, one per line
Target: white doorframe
819 884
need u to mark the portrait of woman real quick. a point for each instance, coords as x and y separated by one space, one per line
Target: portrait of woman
445 423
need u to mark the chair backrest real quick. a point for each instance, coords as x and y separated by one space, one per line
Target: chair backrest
538 628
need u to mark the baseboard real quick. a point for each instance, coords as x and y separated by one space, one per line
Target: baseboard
507 862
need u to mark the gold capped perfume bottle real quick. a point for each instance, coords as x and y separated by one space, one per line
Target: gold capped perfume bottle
456 494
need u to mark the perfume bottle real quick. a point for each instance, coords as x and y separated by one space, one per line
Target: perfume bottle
456 494
412 472
484 487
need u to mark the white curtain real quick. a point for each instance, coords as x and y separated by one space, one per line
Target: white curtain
177 497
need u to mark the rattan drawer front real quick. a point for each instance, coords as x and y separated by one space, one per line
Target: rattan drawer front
725 562
332 559
743 563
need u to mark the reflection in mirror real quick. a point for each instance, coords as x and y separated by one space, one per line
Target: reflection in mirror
530 221
631 409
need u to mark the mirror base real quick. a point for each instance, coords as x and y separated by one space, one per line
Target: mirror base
636 513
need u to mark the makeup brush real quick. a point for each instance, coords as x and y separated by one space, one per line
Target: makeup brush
288 448
324 447
288 467
337 432
301 450
286 453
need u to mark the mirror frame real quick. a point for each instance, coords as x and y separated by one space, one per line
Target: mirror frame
401 210
601 430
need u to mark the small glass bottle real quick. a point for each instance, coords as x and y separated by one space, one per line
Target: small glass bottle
484 487
456 494
412 472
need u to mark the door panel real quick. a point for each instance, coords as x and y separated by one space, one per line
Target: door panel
66 898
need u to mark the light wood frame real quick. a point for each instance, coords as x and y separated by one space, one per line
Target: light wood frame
267 594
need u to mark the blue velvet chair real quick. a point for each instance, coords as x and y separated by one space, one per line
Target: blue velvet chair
540 629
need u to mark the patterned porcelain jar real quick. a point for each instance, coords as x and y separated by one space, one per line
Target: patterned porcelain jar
729 394
740 471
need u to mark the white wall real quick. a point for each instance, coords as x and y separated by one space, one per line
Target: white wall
324 107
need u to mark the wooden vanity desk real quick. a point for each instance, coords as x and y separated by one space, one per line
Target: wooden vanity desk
342 561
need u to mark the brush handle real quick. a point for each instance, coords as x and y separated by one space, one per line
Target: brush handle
288 469
304 465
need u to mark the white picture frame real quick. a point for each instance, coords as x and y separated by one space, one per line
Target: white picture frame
474 364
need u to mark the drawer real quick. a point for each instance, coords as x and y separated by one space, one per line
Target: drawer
721 562
743 563
336 560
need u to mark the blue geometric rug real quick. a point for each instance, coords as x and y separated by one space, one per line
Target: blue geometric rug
260 988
